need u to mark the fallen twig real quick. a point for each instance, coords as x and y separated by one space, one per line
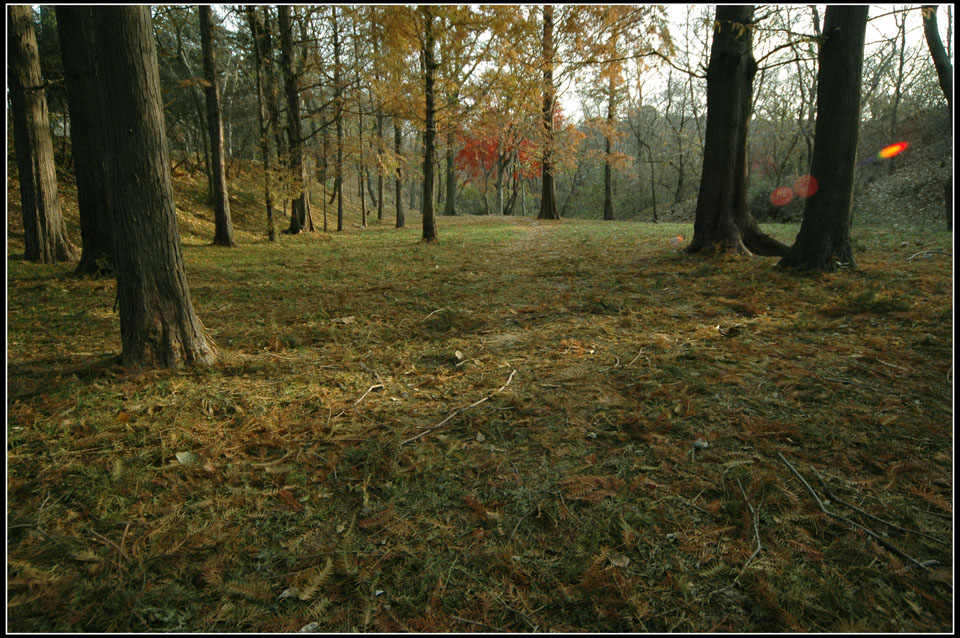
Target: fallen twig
834 497
369 390
846 520
929 252
756 530
479 624
458 411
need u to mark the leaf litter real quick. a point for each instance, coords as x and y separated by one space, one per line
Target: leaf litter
526 426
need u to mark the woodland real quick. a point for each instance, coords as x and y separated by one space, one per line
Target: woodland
487 318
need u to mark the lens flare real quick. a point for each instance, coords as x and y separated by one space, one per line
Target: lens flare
893 149
805 186
781 196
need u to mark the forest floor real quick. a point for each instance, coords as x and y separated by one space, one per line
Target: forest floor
526 426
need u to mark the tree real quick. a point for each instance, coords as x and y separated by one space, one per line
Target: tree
430 76
223 226
941 61
75 29
398 193
548 196
158 325
300 218
824 239
260 42
44 232
722 221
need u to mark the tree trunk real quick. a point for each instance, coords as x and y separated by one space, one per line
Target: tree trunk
75 28
258 32
723 223
398 193
608 151
548 197
450 206
44 232
158 325
824 239
430 74
941 61
223 233
338 116
300 207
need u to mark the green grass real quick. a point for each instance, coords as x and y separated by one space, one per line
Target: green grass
569 500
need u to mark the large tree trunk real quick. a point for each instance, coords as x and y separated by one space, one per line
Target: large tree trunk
158 325
398 192
300 208
430 136
44 232
824 239
548 196
260 42
75 28
722 221
608 150
223 226
941 61
338 115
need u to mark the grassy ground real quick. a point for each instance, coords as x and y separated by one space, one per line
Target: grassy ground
495 432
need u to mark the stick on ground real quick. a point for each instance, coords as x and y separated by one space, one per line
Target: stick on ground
459 410
846 520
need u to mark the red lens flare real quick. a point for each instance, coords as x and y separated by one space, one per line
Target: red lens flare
806 186
781 196
893 149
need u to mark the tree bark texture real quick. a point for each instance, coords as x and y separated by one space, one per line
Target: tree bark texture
260 42
223 225
722 222
300 218
824 239
430 136
44 233
158 325
548 196
398 192
941 61
75 29
608 152
338 115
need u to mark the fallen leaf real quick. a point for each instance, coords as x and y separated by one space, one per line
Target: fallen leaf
187 458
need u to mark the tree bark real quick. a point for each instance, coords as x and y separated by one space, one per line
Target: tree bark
338 116
223 226
941 61
548 196
723 223
824 239
260 42
75 29
430 75
44 233
608 152
158 325
398 192
300 219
